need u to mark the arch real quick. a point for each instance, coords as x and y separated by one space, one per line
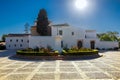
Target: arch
79 44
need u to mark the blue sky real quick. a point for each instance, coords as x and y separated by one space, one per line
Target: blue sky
105 15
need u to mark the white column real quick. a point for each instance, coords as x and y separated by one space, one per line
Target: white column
58 43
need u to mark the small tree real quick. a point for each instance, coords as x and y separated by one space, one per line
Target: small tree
3 37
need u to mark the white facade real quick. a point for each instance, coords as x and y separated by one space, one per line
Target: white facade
17 42
61 36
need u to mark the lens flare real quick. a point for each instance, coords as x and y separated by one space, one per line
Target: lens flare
81 4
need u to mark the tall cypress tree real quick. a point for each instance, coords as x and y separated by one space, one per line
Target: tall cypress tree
42 23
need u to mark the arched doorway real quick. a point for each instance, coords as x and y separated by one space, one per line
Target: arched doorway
79 44
92 44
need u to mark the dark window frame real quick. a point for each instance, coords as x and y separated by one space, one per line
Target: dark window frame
16 40
60 32
9 46
21 40
73 33
62 45
27 41
15 45
21 45
10 40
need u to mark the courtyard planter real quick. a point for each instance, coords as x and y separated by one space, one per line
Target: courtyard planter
77 53
32 53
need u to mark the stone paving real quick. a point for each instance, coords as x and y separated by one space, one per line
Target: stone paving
103 68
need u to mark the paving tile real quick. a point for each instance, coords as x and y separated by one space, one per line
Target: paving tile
66 66
115 74
68 70
97 75
46 76
6 70
24 70
109 69
30 66
70 76
65 63
65 70
89 69
84 65
13 66
51 63
46 70
100 65
48 65
16 77
2 74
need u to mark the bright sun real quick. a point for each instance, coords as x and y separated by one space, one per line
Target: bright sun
81 4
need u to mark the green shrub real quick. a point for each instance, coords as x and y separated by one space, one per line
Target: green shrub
116 48
2 47
35 53
36 49
82 51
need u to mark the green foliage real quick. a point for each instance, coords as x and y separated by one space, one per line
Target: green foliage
56 51
42 23
2 47
81 51
49 48
3 37
108 36
65 47
33 53
38 52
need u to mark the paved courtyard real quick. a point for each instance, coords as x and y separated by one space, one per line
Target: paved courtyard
102 68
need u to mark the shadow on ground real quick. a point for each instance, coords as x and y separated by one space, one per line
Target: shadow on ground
7 53
51 58
11 54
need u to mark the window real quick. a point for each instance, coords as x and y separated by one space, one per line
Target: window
20 45
85 36
21 40
27 41
15 45
72 33
9 46
10 40
17 40
60 32
61 44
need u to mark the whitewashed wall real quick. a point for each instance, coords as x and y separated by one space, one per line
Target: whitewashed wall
106 44
68 39
55 40
11 44
41 41
91 34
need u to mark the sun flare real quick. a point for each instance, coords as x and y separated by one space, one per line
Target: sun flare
81 4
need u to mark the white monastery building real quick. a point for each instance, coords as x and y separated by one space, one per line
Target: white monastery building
62 35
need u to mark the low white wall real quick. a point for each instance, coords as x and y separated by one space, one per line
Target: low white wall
11 43
106 44
41 41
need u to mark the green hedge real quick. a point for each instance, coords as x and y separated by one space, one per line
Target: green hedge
56 53
32 53
92 52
